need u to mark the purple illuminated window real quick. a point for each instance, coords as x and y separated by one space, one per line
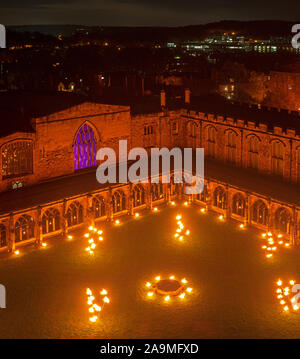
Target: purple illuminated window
85 148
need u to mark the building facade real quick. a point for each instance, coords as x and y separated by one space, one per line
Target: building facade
64 145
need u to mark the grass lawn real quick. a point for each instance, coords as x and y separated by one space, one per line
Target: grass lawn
233 283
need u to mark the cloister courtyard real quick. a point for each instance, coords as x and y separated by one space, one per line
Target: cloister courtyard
233 283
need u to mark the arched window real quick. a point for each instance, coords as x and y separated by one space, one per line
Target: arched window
150 130
3 240
253 149
260 212
17 158
210 141
119 201
277 158
50 221
157 191
24 228
138 194
85 148
175 128
283 220
191 132
74 214
220 198
231 146
238 204
99 206
191 129
203 195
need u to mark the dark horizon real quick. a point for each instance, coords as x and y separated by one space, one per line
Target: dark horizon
148 13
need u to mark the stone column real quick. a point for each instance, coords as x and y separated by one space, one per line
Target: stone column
90 216
209 195
110 214
168 193
11 234
149 195
269 216
130 204
64 219
295 239
247 210
38 226
227 204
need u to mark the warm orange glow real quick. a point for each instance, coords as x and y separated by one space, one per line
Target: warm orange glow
97 307
167 298
103 292
106 300
117 222
150 294
172 277
17 252
94 319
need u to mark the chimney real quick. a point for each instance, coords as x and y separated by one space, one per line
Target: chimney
162 98
187 96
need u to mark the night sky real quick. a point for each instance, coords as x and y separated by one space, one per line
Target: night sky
143 12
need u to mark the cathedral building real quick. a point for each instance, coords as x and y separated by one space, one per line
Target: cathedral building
48 146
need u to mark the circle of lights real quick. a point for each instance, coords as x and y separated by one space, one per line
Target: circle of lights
168 287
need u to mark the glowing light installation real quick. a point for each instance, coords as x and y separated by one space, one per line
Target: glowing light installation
168 288
93 232
181 233
272 243
94 308
286 297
